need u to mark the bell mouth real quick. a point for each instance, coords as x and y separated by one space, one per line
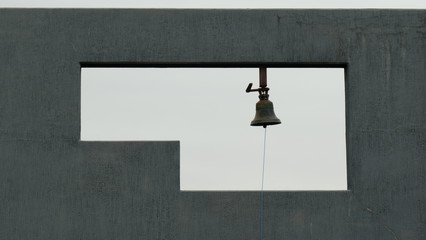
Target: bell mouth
255 123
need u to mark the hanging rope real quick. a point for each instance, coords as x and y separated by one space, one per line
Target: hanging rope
261 189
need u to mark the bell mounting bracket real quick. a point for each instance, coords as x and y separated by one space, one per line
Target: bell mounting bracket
263 90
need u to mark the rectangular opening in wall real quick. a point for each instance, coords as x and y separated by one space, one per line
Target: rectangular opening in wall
209 112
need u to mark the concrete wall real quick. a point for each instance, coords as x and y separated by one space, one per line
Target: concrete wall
52 186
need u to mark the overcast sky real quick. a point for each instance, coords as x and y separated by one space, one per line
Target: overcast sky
209 112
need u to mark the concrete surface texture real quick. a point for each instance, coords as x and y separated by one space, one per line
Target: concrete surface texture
53 186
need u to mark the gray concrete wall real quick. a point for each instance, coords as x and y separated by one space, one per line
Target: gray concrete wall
52 186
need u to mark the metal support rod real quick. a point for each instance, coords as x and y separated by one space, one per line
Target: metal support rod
262 77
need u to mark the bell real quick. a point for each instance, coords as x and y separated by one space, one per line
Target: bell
264 113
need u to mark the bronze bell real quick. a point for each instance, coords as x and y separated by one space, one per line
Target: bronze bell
265 114
264 108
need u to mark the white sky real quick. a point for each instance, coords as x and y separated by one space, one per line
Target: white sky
215 4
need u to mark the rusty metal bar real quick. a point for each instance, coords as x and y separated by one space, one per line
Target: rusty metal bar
262 77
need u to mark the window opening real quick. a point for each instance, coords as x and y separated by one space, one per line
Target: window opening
209 112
